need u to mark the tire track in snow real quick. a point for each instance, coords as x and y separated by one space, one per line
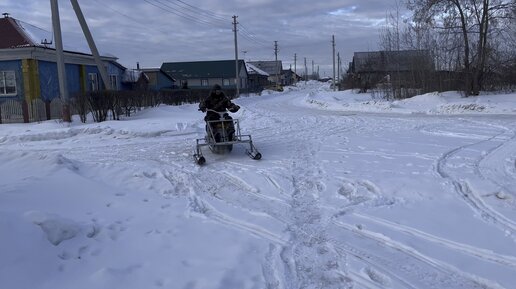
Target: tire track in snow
488 166
461 247
234 179
373 263
189 182
199 206
447 273
463 189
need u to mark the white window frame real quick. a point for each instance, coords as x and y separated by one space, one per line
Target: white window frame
226 82
93 81
4 83
205 82
113 81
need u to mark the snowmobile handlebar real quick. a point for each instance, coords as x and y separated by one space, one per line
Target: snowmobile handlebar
220 113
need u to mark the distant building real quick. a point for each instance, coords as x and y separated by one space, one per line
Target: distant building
205 74
402 68
273 68
289 77
153 79
258 79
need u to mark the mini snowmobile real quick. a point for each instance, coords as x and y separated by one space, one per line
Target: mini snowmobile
220 137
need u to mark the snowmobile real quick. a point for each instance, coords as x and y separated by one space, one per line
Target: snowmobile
220 137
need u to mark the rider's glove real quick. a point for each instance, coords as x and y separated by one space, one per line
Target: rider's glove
234 108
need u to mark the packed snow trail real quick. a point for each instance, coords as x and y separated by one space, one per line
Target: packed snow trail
341 199
446 275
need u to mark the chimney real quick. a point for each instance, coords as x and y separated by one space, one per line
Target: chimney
6 15
138 65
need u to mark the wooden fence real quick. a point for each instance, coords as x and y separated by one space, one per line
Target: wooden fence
22 111
97 103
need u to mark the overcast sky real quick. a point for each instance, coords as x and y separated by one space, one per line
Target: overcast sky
155 31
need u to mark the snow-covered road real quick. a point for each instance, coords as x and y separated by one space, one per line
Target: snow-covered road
341 199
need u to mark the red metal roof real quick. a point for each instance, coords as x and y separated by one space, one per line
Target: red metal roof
12 35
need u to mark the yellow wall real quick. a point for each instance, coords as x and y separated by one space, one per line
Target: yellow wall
82 78
31 84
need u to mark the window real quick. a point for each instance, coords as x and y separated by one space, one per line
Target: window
226 82
7 83
93 81
204 82
113 81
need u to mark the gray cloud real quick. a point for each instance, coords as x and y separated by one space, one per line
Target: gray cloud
155 31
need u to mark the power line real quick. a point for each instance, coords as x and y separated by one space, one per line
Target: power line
206 12
248 35
115 10
167 8
127 16
187 10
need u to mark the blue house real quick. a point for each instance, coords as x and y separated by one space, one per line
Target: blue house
28 69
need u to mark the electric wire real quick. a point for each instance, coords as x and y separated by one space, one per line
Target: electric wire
191 13
199 11
129 17
167 8
43 41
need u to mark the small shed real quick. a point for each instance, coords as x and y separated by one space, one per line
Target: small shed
258 79
273 68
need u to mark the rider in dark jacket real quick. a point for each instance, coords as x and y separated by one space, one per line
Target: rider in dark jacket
219 102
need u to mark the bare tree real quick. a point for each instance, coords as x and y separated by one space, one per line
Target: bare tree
476 22
390 35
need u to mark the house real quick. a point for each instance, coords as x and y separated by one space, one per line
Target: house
273 68
134 79
204 74
258 79
158 79
405 67
289 77
28 69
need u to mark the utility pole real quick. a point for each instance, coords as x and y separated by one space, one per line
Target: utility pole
338 67
333 45
91 43
61 73
313 70
295 67
237 72
306 72
276 58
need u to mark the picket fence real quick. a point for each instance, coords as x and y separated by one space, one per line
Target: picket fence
22 111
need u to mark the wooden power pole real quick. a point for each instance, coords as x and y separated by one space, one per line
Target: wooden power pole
333 45
237 71
61 72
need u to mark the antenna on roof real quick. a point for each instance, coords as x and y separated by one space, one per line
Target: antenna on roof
46 42
6 15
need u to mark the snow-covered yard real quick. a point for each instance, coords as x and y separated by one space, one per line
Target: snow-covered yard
351 192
